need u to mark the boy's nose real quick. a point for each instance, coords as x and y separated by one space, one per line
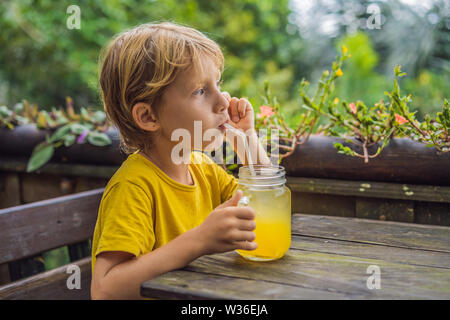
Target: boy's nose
223 103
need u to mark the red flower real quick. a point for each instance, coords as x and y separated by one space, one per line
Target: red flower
400 119
266 111
352 107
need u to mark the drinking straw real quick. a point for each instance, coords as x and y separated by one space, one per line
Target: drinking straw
247 150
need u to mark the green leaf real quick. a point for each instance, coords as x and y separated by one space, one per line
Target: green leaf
61 120
98 139
22 120
344 150
48 118
5 112
40 156
77 128
85 113
18 107
69 140
60 133
9 125
99 116
349 140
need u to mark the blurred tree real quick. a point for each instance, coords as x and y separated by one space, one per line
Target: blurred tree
43 61
414 34
428 89
361 81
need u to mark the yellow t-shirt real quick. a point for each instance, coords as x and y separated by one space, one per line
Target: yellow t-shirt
143 209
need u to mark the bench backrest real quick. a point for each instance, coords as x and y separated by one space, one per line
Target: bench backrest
29 229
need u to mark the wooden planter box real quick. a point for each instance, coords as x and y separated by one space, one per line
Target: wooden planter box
402 161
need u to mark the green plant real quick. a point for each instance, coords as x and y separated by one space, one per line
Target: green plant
9 118
359 125
368 126
434 132
308 121
67 128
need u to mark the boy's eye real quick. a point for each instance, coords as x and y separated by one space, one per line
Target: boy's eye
199 92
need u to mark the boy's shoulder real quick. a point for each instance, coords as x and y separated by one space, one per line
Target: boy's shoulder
133 171
138 171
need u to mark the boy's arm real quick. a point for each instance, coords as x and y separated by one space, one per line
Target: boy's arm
118 275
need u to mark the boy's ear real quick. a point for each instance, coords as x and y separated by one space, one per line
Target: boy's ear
144 117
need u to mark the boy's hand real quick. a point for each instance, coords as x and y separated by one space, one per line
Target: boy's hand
240 112
227 228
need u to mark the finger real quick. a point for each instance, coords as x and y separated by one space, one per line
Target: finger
234 110
243 236
242 105
247 213
246 245
246 225
233 201
238 236
226 95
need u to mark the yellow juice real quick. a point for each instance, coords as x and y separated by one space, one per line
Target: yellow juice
273 223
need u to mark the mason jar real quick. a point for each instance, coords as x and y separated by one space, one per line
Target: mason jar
264 190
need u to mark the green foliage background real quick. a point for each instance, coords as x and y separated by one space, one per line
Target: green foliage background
42 61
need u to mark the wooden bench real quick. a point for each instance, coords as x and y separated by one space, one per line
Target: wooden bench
30 229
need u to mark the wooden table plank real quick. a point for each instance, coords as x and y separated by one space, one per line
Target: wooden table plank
397 234
317 272
412 257
322 266
184 284
331 273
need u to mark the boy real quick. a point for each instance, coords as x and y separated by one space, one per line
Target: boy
157 215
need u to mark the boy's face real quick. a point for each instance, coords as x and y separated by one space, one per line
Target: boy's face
195 96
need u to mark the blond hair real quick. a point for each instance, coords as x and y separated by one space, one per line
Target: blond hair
139 64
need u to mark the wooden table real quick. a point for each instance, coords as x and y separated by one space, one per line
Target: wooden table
329 258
